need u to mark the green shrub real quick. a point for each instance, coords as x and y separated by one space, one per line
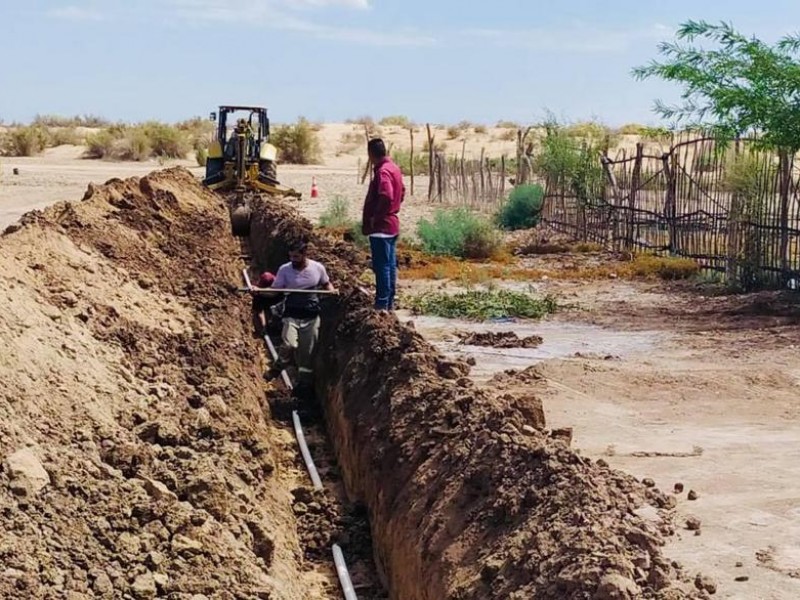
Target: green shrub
523 208
482 305
297 144
458 232
403 160
166 141
336 215
25 141
201 156
571 164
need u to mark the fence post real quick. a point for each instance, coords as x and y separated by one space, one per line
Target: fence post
670 211
411 133
786 176
431 140
635 182
502 176
613 217
483 176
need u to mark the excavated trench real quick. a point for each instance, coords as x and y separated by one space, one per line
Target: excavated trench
152 464
467 495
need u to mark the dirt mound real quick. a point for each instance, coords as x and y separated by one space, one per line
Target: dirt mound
499 339
136 458
467 497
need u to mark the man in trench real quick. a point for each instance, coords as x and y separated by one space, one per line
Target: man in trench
263 304
301 311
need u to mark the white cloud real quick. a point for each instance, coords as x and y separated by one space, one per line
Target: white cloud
284 15
358 4
75 13
575 38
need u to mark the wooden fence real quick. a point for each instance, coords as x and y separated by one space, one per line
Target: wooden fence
732 208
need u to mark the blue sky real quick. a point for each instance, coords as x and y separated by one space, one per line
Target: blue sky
434 60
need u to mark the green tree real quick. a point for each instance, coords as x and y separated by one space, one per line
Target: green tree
732 84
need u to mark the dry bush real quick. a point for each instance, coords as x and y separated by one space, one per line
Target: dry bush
24 141
90 121
198 131
480 129
135 145
509 135
507 125
668 268
201 156
101 143
437 146
364 121
297 144
631 129
397 121
65 136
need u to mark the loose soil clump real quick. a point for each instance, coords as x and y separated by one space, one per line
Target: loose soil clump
499 339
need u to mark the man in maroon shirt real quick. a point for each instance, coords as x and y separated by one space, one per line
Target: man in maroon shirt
263 304
381 223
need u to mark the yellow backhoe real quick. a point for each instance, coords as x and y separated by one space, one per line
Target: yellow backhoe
243 162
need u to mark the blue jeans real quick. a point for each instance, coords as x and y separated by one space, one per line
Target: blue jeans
384 264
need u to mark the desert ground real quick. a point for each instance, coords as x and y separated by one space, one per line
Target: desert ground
677 383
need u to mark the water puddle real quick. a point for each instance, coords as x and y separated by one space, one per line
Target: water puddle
561 340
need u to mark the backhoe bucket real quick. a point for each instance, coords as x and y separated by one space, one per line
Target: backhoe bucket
240 220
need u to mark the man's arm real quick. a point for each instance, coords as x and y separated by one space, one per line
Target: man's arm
366 214
324 280
384 195
280 280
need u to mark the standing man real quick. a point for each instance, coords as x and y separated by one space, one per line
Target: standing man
381 223
301 311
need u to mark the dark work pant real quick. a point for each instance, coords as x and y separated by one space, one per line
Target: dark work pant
384 264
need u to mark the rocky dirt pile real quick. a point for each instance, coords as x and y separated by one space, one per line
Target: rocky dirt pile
499 339
468 497
137 461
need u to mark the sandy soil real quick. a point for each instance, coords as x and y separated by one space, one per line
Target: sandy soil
683 388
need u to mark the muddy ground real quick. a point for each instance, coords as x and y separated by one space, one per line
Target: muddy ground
681 384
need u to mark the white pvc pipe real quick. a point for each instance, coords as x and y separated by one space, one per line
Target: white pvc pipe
274 353
344 575
301 440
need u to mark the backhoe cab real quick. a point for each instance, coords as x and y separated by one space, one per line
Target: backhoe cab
241 160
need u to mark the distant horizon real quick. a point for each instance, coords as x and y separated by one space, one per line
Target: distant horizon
330 60
355 121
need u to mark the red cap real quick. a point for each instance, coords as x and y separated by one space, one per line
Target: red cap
266 279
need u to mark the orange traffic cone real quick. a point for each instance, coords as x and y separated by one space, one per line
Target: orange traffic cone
314 190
